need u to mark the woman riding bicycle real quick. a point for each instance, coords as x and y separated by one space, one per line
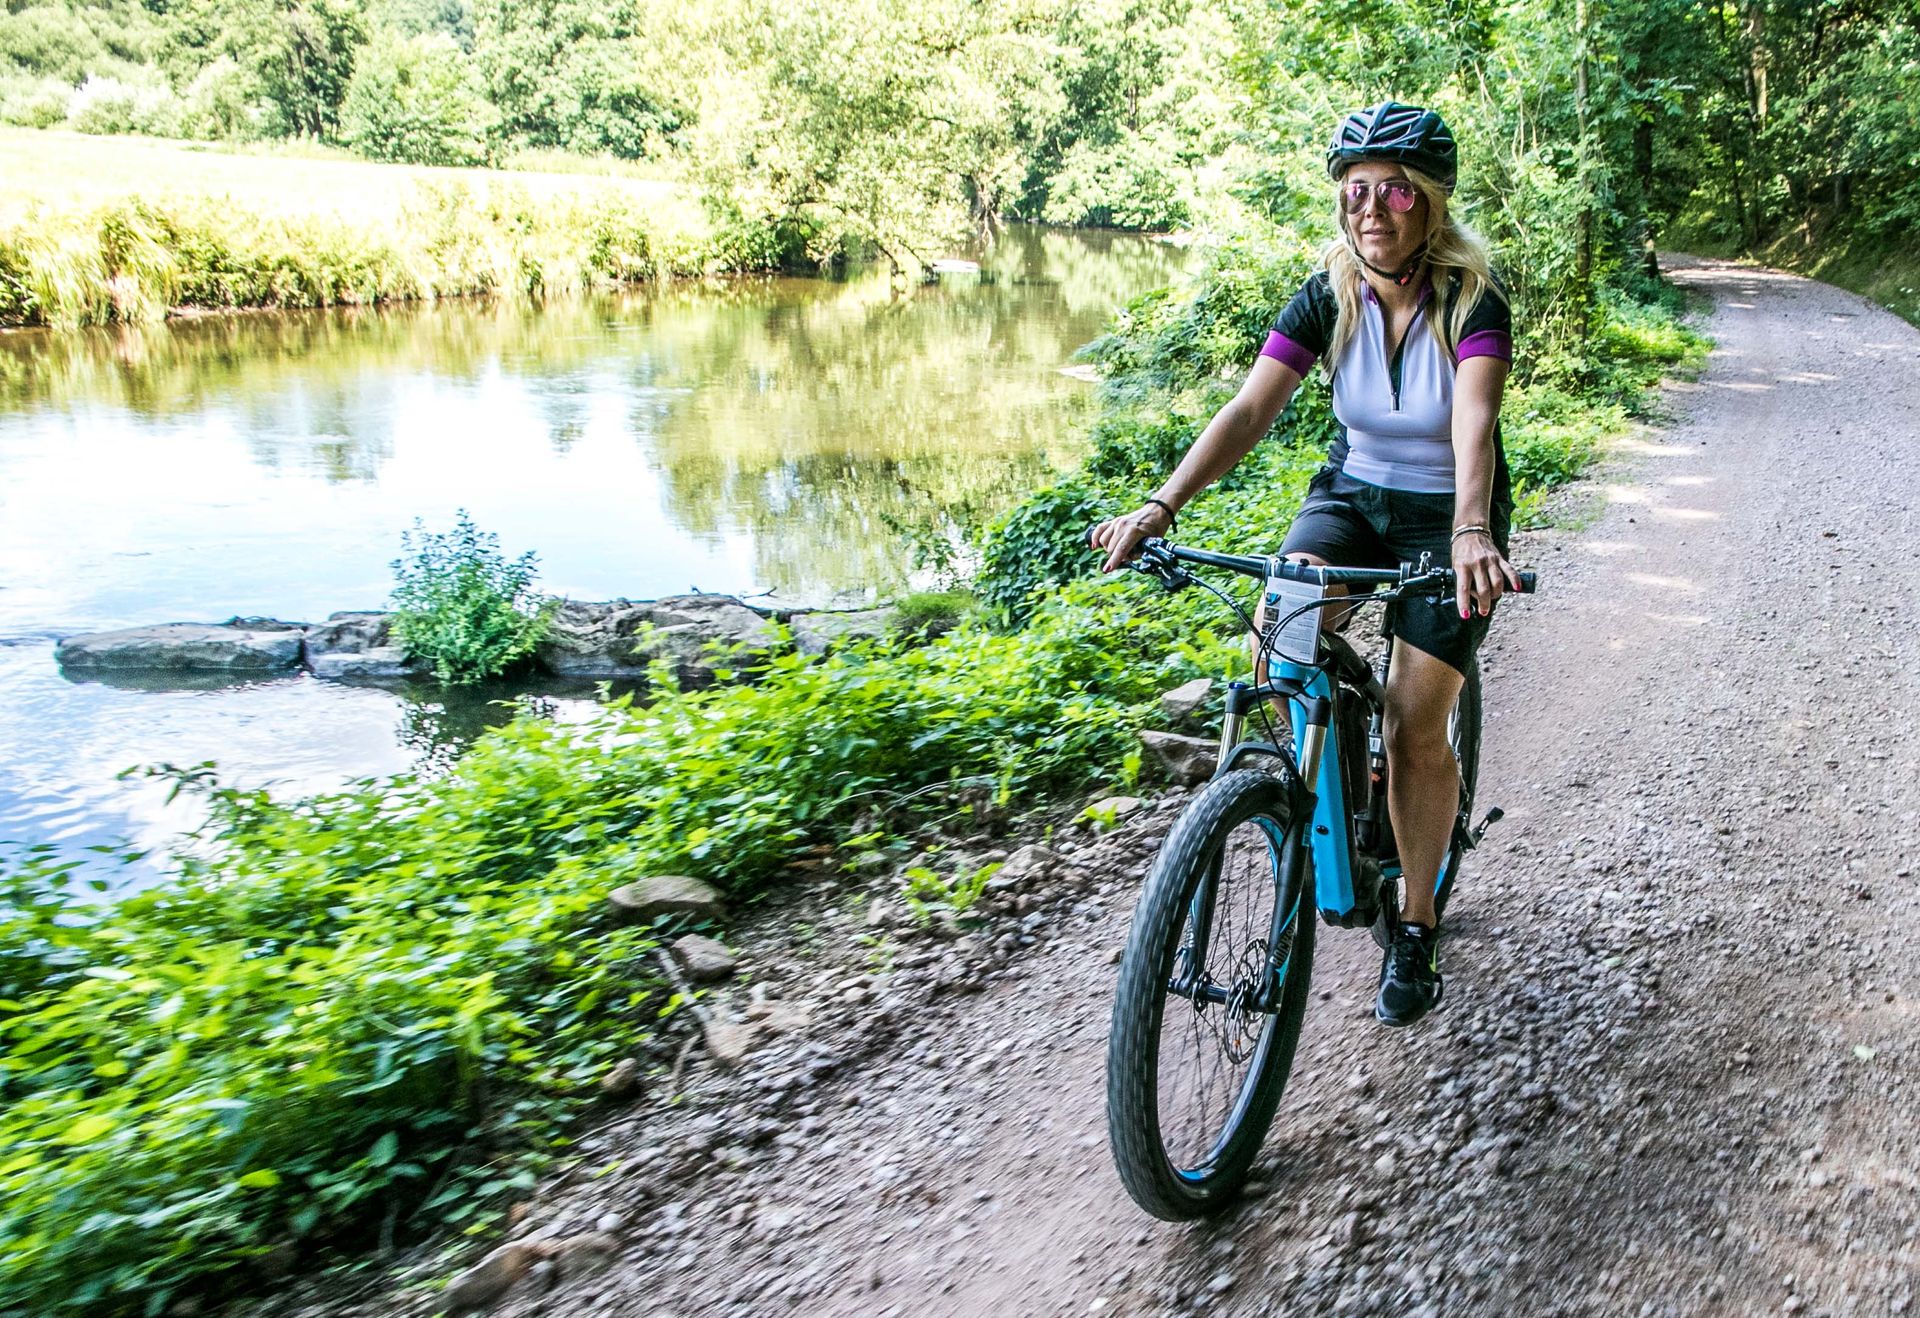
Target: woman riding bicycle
1417 340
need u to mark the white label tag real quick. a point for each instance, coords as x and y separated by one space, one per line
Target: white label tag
1298 639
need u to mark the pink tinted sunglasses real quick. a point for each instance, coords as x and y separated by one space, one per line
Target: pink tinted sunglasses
1396 194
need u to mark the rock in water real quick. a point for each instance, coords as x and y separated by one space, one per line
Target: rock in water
666 894
243 645
705 960
619 638
357 645
823 630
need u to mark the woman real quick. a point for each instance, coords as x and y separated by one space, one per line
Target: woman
1415 334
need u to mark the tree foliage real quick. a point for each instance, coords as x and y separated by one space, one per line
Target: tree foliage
416 100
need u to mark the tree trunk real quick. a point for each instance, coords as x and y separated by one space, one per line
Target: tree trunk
1583 242
1643 175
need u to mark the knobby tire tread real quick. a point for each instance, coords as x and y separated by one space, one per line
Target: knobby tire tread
1139 1004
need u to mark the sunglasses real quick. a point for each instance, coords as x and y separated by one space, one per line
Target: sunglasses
1396 194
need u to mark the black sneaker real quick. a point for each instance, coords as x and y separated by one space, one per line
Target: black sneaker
1409 976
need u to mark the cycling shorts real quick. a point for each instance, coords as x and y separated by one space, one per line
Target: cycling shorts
1350 523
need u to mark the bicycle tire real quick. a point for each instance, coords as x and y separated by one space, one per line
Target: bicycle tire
1228 822
1465 735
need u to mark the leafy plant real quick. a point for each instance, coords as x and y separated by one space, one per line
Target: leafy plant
464 607
926 890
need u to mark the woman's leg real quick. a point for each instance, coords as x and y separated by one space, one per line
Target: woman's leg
1423 778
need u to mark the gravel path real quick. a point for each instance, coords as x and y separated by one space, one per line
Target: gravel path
1675 1068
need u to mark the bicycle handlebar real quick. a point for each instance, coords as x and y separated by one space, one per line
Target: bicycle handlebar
1157 558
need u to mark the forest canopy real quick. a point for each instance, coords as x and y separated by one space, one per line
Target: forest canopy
899 125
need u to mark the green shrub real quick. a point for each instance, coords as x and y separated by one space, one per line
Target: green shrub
417 100
106 105
223 103
34 102
463 607
933 612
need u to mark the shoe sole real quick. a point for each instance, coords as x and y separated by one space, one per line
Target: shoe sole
1392 1024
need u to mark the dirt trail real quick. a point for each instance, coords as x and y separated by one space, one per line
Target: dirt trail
1675 1070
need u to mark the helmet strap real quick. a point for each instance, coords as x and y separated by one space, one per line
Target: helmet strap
1401 277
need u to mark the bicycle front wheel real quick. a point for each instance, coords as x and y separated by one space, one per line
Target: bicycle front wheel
1213 987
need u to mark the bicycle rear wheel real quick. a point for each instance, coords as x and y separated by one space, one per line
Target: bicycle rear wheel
1195 1068
1463 730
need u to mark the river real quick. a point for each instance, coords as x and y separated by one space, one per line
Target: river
806 441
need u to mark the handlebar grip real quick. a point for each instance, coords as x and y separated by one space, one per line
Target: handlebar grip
1527 580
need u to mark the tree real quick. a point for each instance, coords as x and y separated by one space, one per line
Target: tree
577 75
416 100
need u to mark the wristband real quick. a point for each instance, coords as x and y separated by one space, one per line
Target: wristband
1469 530
1173 518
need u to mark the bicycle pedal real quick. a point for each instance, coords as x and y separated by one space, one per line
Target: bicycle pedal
1494 816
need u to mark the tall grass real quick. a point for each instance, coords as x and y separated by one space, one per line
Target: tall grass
229 232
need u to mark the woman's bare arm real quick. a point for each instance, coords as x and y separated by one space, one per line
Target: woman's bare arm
1229 437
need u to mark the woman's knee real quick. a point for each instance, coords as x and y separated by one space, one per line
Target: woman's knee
1415 735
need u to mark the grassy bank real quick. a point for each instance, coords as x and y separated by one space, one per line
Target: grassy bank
1881 272
369 1016
99 230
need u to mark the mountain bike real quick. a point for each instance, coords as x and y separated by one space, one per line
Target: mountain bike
1213 982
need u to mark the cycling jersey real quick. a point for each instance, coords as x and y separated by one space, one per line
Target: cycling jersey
1395 413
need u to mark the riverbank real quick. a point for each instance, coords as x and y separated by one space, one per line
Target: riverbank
98 231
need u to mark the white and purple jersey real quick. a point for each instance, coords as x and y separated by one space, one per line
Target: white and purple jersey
1396 414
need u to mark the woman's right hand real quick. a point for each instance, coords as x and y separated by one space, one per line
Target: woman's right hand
1121 536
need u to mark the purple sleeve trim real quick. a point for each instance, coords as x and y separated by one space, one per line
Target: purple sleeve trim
1289 354
1487 343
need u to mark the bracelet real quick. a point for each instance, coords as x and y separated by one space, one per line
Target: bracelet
1173 518
1469 530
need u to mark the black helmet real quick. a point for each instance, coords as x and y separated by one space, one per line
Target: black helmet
1404 134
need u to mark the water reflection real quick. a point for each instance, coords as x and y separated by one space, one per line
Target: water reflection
792 436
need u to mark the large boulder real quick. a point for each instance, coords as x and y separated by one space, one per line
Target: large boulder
1188 701
1183 760
666 894
823 630
357 646
617 639
238 646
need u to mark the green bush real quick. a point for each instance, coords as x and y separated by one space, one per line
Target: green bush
933 612
416 100
462 606
104 105
34 102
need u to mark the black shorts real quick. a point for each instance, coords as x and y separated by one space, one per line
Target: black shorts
1350 523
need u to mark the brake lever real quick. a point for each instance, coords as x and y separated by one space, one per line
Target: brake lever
1153 560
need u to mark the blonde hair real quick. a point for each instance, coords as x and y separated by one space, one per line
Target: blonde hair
1453 251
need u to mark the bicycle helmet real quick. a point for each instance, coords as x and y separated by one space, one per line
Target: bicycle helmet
1405 134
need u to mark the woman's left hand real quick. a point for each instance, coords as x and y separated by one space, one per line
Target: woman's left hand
1481 574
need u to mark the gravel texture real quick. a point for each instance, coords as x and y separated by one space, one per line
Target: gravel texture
1675 1069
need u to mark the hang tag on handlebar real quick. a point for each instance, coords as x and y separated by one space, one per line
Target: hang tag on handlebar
1298 640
